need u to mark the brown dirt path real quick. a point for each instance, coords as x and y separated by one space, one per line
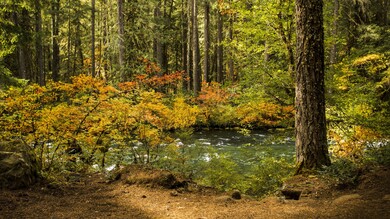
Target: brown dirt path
92 197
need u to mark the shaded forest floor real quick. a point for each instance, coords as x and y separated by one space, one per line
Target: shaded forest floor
93 197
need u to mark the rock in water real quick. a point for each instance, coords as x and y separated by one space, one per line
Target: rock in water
18 167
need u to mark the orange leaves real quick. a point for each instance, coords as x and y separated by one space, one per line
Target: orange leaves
151 67
128 86
160 81
212 94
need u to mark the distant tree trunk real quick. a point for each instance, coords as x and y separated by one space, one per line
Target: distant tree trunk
230 61
40 77
286 35
310 122
104 59
184 40
220 74
206 73
69 45
78 63
55 35
93 70
189 44
333 50
121 31
196 52
160 46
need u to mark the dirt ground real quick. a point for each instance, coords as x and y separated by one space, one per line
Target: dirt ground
93 197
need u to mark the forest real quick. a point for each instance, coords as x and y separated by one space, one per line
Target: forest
92 85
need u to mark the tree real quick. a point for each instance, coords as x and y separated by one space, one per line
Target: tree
55 34
220 73
206 73
121 31
195 47
189 40
310 122
93 70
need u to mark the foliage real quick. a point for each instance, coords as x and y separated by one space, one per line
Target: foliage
344 172
263 114
72 122
227 107
256 170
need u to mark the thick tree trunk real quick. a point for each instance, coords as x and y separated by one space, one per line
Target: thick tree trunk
310 122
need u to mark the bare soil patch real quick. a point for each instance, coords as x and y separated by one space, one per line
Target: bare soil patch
92 196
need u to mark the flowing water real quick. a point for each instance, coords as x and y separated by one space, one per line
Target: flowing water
245 148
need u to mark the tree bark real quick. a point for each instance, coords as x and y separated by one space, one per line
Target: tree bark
206 73
40 77
121 31
196 52
189 44
333 50
230 61
310 121
220 75
93 70
55 35
184 40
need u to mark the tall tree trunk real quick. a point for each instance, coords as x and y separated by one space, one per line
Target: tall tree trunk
69 45
184 40
196 52
189 45
93 67
40 77
286 35
78 63
310 122
55 34
206 73
333 50
121 31
104 58
160 45
220 74
230 61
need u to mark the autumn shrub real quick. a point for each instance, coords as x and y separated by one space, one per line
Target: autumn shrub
222 107
263 114
358 109
213 102
89 122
